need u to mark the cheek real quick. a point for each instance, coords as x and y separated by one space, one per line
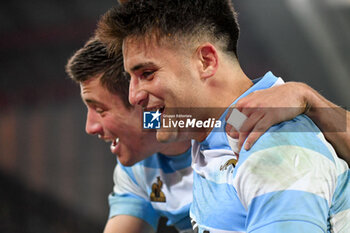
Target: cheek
133 126
164 87
157 86
112 124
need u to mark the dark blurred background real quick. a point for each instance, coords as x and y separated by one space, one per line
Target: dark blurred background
53 177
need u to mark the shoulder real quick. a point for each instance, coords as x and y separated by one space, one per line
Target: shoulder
289 156
136 173
299 136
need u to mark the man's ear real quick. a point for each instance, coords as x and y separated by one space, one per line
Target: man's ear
207 60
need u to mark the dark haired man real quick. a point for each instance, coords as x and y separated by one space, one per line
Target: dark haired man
147 184
182 54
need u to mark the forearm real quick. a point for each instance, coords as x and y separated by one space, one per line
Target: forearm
333 121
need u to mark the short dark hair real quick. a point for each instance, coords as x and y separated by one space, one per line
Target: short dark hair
93 59
213 19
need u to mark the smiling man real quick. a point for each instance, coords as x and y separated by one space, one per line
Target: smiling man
152 179
183 54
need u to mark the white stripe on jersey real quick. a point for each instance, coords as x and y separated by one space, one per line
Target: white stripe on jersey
124 184
340 222
261 173
278 82
341 165
213 160
175 187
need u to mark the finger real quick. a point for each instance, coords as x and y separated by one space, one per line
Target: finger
231 131
248 126
228 113
243 103
248 111
250 101
251 139
259 129
241 139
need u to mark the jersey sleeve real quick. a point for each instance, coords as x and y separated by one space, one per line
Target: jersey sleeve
128 198
286 183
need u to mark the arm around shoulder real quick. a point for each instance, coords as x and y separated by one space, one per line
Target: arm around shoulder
333 121
265 108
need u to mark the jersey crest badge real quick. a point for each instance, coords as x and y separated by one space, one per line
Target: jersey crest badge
232 162
157 195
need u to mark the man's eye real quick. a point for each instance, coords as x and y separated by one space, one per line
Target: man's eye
147 74
99 110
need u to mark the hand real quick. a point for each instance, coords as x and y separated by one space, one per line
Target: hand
265 108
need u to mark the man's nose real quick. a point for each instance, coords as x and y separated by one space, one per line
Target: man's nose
93 126
136 95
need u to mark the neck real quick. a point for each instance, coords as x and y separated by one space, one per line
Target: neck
229 83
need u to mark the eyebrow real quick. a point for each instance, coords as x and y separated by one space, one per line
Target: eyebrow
95 103
142 65
91 101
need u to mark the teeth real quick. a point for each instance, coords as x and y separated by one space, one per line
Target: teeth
115 141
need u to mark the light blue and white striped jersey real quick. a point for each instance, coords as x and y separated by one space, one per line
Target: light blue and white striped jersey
157 186
291 180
